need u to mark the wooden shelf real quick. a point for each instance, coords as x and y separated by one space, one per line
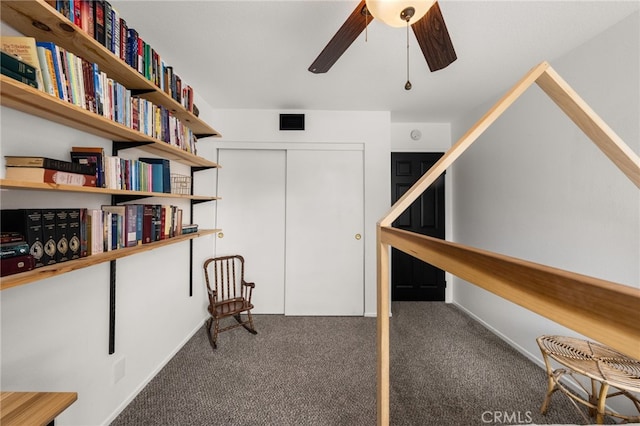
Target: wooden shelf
19 184
23 16
34 408
22 97
84 262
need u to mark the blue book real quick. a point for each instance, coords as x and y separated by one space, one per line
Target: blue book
166 172
157 183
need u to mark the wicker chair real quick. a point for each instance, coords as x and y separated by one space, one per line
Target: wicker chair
229 295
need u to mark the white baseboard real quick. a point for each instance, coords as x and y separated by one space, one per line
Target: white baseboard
154 373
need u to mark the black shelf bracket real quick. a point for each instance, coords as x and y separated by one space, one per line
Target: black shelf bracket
117 199
138 92
112 307
117 146
205 135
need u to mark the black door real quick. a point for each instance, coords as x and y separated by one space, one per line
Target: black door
411 278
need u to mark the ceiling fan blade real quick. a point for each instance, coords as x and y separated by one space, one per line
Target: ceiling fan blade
434 39
346 35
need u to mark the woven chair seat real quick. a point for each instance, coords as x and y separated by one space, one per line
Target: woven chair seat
603 365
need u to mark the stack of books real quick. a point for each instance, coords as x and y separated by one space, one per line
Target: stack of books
14 254
15 67
49 170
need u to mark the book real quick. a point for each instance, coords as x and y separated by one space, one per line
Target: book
189 228
17 264
108 25
42 175
25 49
121 229
49 238
62 235
166 171
49 163
91 155
95 235
10 237
26 222
54 66
99 21
18 77
84 232
147 224
92 159
131 227
16 64
19 248
46 72
74 233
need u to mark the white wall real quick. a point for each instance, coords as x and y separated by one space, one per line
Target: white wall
254 129
533 186
55 332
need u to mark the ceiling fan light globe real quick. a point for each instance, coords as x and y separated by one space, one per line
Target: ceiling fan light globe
390 11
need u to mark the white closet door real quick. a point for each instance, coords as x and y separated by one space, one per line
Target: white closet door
325 255
251 214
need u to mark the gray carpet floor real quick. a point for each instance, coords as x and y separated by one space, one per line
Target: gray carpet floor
446 369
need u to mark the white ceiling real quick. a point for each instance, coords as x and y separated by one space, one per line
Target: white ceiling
255 54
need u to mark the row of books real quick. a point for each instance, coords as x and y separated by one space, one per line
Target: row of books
33 238
89 166
73 79
101 21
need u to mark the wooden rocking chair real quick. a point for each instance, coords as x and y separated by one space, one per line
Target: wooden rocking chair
229 295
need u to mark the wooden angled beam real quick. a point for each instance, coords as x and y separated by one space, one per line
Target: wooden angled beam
463 143
591 124
603 310
562 296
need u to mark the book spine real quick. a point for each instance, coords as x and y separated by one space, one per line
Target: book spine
98 21
49 237
108 25
14 249
15 265
62 235
84 232
18 77
14 64
75 233
54 176
53 164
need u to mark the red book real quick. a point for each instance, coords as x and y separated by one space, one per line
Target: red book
14 265
41 175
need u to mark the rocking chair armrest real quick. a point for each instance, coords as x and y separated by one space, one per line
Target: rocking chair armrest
252 285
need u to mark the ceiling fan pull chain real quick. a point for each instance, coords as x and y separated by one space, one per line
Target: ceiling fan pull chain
366 25
407 85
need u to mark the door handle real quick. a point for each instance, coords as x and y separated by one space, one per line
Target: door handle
358 236
220 235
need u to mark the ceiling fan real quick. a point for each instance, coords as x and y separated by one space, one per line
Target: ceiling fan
425 19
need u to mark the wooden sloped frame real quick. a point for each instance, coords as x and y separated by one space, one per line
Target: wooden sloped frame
605 311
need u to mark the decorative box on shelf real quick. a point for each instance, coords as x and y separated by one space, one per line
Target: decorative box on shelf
180 184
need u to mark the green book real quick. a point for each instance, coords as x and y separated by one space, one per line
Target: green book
15 64
18 77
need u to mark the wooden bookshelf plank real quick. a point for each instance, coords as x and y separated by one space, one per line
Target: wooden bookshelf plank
73 265
35 408
22 97
54 27
35 186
